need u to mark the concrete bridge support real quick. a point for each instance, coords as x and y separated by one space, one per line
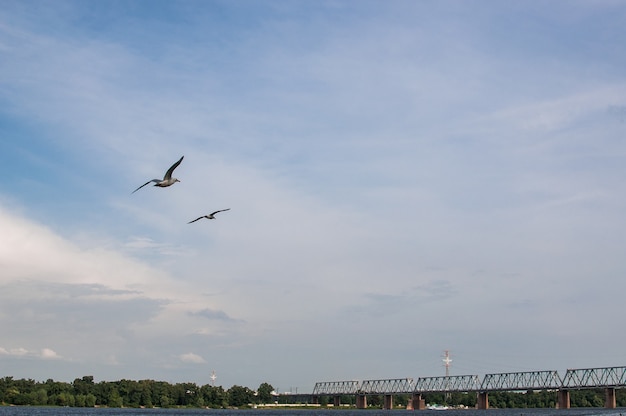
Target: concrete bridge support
337 401
563 399
416 402
388 402
361 401
609 398
483 400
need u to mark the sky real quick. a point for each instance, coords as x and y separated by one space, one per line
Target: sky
403 178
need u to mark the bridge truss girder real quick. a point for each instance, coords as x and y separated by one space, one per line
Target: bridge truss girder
528 380
595 377
392 386
336 387
447 384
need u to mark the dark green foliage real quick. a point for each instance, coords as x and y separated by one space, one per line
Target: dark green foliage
84 392
240 396
265 393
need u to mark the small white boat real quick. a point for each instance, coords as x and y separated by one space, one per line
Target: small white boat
436 407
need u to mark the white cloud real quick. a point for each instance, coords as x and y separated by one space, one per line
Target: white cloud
19 352
49 354
44 353
192 358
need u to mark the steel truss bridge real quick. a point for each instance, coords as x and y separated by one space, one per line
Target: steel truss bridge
609 378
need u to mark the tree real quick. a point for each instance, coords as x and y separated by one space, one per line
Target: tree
65 399
185 394
265 393
164 401
146 393
40 397
83 385
214 396
240 396
90 400
114 399
56 387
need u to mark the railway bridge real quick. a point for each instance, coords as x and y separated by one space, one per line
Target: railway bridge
608 378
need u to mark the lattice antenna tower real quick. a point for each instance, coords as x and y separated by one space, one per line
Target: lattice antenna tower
213 377
447 361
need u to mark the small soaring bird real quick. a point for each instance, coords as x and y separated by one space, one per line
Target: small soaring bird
210 216
167 179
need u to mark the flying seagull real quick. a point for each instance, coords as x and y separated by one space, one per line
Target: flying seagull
210 216
167 179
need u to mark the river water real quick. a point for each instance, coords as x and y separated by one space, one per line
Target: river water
79 411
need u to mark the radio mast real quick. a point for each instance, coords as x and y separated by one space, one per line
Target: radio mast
447 361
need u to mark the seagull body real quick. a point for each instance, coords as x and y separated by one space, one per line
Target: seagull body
210 216
167 179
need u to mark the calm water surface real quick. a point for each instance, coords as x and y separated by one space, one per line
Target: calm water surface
77 411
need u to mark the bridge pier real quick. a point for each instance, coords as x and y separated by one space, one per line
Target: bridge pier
483 400
416 402
563 399
388 402
337 401
609 398
361 401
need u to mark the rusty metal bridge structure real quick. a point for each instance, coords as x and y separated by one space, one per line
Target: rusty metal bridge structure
607 378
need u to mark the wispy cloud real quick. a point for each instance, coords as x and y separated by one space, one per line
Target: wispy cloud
44 353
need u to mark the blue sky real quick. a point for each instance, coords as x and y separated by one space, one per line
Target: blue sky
403 178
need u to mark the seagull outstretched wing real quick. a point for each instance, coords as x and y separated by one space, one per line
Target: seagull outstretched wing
210 216
151 180
168 174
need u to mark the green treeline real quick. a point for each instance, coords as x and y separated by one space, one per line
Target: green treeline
83 392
